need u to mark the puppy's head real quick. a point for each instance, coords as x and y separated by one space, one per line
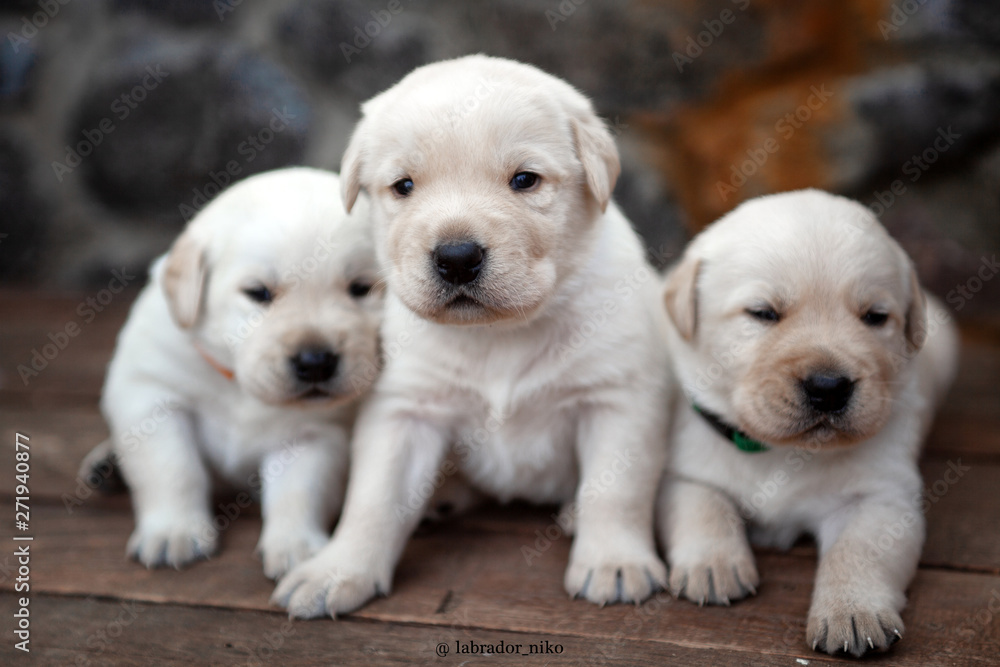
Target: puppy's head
486 178
793 316
278 283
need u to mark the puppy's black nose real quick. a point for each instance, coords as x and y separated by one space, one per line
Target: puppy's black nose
828 393
459 263
314 364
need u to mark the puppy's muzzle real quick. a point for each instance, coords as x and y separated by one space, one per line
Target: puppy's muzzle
313 365
827 392
459 262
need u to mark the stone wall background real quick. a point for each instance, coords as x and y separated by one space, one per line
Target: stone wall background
712 101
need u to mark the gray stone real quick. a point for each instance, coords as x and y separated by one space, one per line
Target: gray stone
906 109
180 12
24 215
18 60
187 117
363 45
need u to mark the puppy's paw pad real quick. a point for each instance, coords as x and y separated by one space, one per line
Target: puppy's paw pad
718 580
609 583
853 630
282 552
318 588
173 542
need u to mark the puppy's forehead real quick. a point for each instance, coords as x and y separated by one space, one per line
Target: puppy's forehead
472 107
805 242
308 233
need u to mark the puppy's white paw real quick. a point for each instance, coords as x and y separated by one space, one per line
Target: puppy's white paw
852 626
326 584
172 539
625 579
715 577
282 550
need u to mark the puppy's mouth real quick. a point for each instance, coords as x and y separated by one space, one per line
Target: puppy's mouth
313 393
317 395
826 430
464 302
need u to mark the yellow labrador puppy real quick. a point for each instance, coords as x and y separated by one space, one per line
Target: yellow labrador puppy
811 361
521 330
245 357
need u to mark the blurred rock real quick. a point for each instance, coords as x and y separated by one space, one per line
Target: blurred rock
950 225
17 63
24 215
365 45
644 198
979 18
906 108
172 121
181 12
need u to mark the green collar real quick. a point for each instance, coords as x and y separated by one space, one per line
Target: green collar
740 440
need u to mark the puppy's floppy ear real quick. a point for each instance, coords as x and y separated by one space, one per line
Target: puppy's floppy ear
350 167
915 328
184 276
599 155
681 296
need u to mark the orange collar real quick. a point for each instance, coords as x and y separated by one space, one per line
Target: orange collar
219 368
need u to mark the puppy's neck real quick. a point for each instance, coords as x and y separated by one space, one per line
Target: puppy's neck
214 363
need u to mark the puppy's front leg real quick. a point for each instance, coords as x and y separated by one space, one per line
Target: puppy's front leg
869 553
170 488
394 460
302 487
706 543
613 558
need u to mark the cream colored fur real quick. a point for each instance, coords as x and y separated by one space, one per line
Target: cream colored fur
176 421
546 380
851 479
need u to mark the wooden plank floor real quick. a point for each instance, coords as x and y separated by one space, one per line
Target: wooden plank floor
463 581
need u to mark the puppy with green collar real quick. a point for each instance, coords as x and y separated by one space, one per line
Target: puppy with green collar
811 362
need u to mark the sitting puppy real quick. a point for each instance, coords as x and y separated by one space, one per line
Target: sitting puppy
797 323
521 330
245 356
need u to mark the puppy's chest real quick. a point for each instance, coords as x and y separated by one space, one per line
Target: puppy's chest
526 453
514 431
236 437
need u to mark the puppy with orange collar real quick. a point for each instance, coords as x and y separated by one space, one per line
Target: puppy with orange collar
811 361
245 357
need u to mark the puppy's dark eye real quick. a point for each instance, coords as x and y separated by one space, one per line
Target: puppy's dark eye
403 187
359 288
259 294
873 318
764 314
524 180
